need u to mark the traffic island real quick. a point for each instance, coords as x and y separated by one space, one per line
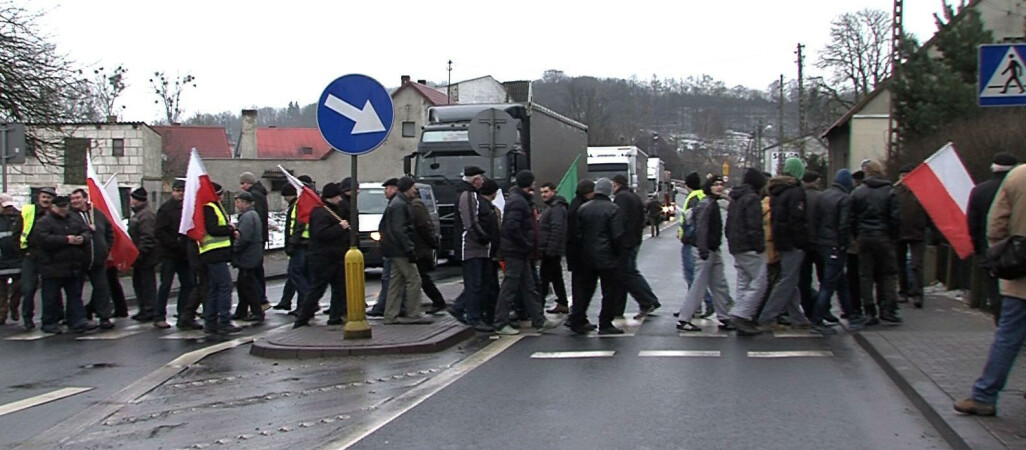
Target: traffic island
320 341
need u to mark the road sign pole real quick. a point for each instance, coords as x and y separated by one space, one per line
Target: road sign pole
3 155
356 321
491 147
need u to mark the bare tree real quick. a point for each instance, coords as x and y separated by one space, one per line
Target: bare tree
858 54
107 87
170 94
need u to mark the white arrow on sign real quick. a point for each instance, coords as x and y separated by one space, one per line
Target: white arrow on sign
367 120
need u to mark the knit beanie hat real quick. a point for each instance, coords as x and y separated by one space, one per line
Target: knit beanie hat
754 178
794 167
604 187
525 178
693 181
845 180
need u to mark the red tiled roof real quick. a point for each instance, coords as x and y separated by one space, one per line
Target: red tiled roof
178 141
288 143
434 97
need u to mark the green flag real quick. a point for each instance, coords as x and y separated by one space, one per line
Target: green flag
568 185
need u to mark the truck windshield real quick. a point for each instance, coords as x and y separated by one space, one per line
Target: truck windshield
444 136
596 171
372 201
450 165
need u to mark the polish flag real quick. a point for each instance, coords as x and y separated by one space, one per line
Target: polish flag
307 199
199 191
942 186
122 251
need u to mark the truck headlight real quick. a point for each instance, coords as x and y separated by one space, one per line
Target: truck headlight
375 236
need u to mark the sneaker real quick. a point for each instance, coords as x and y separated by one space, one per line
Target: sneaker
688 326
265 306
484 327
507 330
726 326
857 320
547 325
188 325
87 325
415 320
559 309
228 329
283 306
822 330
142 318
744 327
609 330
708 312
51 329
973 407
645 311
161 324
830 318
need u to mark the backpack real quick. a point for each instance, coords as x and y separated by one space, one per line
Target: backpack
687 233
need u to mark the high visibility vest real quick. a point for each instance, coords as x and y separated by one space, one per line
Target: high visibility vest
697 193
293 222
215 242
28 218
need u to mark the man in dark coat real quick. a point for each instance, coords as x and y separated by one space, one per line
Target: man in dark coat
552 239
297 237
709 274
519 242
215 252
249 183
654 211
96 269
397 243
812 264
174 260
425 243
790 238
911 243
472 247
10 260
329 241
833 234
142 228
584 192
63 241
599 229
30 215
247 255
876 216
633 210
747 243
984 290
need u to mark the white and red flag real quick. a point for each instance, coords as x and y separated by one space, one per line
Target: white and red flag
199 191
122 251
306 200
942 185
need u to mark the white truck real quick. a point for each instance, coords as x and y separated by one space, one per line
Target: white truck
629 161
661 187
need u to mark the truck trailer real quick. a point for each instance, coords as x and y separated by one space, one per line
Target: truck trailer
629 161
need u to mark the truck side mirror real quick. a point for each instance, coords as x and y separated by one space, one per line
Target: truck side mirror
408 164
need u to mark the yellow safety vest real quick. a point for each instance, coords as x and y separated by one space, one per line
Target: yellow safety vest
28 218
700 194
215 242
292 225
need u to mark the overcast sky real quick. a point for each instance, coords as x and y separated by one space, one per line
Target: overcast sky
260 53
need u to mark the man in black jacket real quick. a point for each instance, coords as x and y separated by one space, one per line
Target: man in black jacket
297 237
552 230
329 241
599 228
142 228
215 252
397 243
790 237
833 235
983 284
425 243
812 264
249 183
574 259
747 242
634 283
876 218
709 266
30 215
173 259
96 269
10 260
519 241
911 243
63 239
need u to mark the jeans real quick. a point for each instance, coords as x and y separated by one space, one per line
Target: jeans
298 278
403 289
168 269
708 278
687 259
833 280
910 268
878 266
751 284
784 296
99 302
386 274
1008 341
519 281
218 306
29 282
52 308
552 273
144 280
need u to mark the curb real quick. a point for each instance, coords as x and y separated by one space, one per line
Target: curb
266 349
959 431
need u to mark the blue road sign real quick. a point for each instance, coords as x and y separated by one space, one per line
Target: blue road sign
1002 75
354 114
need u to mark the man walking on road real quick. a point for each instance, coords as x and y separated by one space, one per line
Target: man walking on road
297 237
173 257
911 244
812 264
1007 218
30 215
633 210
747 243
709 267
96 269
247 255
142 228
833 233
329 241
378 310
876 216
473 248
574 247
63 241
215 251
552 226
790 237
425 243
982 196
599 228
10 260
397 236
250 183
686 235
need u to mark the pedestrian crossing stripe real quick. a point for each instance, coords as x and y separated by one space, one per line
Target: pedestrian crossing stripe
701 335
569 355
680 353
29 336
795 334
791 354
106 335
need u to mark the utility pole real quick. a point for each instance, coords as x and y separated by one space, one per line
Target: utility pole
758 146
448 85
801 99
893 138
780 127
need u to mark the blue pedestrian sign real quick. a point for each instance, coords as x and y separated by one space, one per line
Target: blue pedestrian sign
354 114
1002 75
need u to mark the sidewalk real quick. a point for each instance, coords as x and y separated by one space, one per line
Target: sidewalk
935 357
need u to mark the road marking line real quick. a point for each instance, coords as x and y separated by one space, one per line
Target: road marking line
108 335
701 335
190 334
407 401
680 353
565 355
41 399
28 336
791 354
794 334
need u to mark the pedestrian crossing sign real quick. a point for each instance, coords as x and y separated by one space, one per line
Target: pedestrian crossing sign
1002 75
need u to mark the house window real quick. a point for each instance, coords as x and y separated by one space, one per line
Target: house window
75 150
306 150
119 147
409 129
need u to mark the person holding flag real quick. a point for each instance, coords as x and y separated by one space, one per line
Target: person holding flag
96 268
297 235
329 240
174 259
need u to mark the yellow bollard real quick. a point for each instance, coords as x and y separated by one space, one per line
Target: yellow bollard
356 303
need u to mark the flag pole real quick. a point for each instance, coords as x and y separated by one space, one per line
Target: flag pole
326 208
